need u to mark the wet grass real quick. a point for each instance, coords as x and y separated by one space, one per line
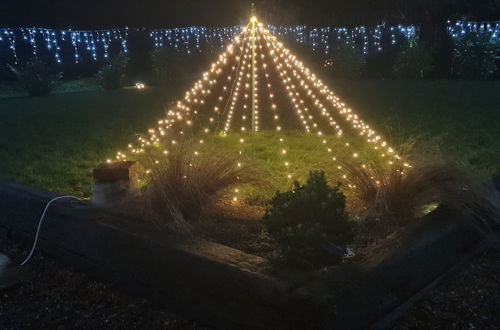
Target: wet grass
10 90
459 118
54 142
277 159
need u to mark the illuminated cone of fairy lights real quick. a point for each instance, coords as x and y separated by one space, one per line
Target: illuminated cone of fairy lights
257 84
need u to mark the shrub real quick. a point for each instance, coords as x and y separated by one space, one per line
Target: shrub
35 78
308 221
474 57
414 61
167 64
186 182
347 62
111 75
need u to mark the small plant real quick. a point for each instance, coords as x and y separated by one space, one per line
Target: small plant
347 62
414 61
167 64
474 57
35 77
185 182
308 223
111 75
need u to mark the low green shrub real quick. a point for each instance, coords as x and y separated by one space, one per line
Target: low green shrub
35 78
474 58
414 61
309 221
347 62
111 75
167 64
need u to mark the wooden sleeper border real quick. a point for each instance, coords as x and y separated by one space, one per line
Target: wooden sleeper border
227 288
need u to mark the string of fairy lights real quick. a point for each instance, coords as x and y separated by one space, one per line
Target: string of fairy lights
231 89
489 30
96 44
194 38
35 41
368 39
275 115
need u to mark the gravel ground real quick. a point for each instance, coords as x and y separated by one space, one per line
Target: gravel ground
59 298
469 300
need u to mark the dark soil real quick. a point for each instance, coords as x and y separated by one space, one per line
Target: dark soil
370 233
238 225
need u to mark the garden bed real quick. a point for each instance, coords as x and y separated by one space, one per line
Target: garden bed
229 288
238 225
468 299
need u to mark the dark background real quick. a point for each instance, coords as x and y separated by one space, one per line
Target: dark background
94 14
429 15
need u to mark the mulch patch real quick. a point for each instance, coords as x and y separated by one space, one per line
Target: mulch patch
237 225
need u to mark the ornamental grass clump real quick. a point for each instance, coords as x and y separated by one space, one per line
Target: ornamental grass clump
309 224
402 193
183 183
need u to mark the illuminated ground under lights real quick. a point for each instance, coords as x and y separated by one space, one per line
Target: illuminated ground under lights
256 85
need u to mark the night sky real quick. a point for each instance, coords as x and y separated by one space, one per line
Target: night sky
167 13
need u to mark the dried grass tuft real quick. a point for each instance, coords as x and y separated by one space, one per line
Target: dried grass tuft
403 193
184 184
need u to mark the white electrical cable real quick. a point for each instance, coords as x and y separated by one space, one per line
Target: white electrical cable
40 225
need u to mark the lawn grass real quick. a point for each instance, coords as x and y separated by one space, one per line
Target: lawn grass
277 158
460 118
10 90
54 142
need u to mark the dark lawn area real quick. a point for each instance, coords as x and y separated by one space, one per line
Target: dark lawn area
54 142
462 118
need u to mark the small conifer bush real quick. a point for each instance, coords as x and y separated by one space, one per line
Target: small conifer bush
308 223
